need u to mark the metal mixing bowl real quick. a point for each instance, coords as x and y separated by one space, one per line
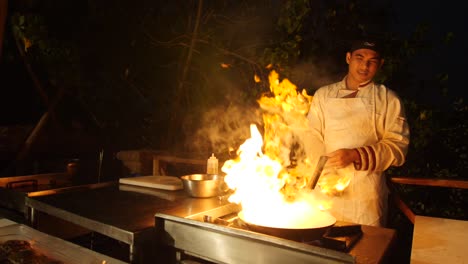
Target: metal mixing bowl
203 185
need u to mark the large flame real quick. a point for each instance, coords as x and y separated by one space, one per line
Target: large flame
258 180
270 190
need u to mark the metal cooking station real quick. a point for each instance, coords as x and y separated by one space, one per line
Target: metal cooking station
198 234
13 190
130 214
53 247
122 212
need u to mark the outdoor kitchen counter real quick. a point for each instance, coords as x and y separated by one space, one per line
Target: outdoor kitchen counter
375 246
123 212
127 214
195 236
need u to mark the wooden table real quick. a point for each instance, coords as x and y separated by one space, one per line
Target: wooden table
375 246
439 240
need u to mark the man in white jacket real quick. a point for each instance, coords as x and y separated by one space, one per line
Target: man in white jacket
361 126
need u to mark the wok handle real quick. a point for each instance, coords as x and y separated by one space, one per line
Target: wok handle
317 172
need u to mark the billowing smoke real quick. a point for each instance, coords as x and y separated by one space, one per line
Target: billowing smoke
223 129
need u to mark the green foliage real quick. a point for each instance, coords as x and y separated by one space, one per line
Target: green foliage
55 55
437 150
290 26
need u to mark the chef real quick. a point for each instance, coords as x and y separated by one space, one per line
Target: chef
361 126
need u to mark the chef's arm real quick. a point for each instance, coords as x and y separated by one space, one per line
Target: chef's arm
391 149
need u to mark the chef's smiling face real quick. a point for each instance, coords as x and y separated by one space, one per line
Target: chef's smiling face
363 65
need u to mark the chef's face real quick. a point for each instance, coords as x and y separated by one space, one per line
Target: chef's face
363 65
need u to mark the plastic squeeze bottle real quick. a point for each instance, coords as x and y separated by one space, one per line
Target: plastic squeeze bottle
212 165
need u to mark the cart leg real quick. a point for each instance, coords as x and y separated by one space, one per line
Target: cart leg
131 255
31 217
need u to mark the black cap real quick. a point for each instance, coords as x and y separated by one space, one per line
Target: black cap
366 44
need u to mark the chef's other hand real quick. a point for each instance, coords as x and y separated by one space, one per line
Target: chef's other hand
342 157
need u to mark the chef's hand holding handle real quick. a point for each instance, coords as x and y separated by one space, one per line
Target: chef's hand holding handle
342 157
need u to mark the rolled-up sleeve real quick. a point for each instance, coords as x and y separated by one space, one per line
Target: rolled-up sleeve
394 136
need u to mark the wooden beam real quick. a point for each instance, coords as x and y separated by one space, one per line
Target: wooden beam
172 159
403 207
430 182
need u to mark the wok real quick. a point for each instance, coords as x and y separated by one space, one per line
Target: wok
303 234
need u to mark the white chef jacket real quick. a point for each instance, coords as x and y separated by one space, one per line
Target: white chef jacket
374 123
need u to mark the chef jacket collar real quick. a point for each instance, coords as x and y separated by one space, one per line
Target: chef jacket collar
363 86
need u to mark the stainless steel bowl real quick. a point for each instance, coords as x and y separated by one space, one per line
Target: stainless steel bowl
204 185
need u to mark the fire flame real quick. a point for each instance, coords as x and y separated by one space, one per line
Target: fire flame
270 191
335 181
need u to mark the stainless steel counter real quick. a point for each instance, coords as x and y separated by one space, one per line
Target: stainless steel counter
196 235
123 212
127 214
55 248
13 190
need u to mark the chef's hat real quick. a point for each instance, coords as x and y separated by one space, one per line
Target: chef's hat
367 44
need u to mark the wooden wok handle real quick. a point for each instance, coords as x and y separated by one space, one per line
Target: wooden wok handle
317 172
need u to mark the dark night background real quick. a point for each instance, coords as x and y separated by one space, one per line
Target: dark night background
147 75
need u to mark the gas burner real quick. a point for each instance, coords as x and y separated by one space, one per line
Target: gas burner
342 236
222 226
229 220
